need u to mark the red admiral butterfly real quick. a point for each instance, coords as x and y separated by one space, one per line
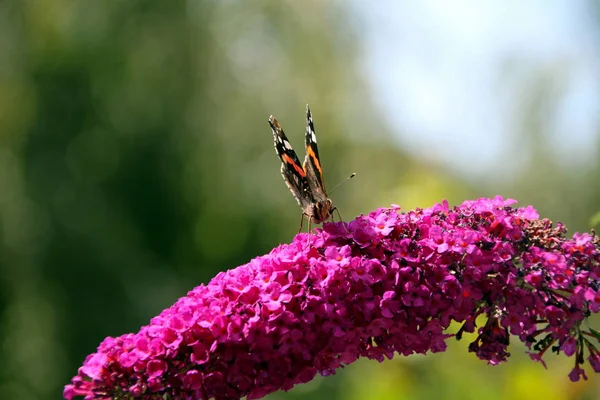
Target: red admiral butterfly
305 181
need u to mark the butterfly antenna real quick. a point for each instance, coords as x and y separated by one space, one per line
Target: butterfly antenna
352 175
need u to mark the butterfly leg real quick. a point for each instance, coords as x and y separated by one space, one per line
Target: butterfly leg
340 217
301 222
308 244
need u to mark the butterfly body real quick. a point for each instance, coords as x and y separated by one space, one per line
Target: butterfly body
305 180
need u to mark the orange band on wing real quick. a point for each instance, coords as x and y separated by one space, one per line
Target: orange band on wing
313 156
288 160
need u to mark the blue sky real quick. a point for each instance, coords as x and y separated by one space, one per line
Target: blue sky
449 76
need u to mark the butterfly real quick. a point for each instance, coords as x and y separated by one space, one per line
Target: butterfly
305 181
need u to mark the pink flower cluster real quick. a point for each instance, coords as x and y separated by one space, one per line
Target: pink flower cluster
382 284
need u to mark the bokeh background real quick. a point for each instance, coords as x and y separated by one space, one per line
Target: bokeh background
136 161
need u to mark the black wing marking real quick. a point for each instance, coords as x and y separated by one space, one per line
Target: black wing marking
292 171
312 162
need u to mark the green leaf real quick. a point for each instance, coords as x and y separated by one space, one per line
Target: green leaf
595 333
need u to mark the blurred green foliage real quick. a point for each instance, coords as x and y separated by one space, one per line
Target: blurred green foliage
136 162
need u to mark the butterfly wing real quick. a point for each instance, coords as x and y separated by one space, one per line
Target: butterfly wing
292 171
312 162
